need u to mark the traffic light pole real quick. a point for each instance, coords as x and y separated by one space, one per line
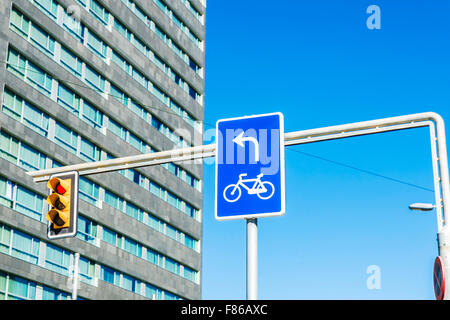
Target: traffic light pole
76 275
252 259
427 119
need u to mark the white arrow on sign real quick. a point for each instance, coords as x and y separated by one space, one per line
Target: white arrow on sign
240 139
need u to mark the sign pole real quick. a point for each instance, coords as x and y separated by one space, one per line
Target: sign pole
252 259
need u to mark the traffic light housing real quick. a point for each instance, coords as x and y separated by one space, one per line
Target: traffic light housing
63 201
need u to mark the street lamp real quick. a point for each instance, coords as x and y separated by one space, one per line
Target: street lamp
421 206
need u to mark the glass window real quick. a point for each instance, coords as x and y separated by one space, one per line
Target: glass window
19 23
190 242
173 233
139 77
99 12
53 294
138 110
113 200
136 142
160 95
119 95
73 26
28 203
109 236
89 151
97 45
16 63
170 296
190 274
50 7
66 138
134 211
89 191
9 147
72 62
110 275
42 40
5 239
35 119
6 188
95 79
31 159
68 99
156 189
131 284
25 247
92 116
154 257
12 105
87 229
41 80
172 266
140 46
122 30
121 62
132 247
155 223
21 289
152 292
57 259
117 129
86 269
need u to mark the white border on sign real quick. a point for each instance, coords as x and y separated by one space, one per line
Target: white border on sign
282 177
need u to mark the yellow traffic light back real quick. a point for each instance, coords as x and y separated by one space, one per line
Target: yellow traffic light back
59 200
63 201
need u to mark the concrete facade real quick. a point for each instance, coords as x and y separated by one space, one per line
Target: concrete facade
176 272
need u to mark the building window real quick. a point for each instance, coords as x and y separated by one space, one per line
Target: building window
94 79
99 12
89 191
69 100
86 269
113 200
28 203
110 275
66 138
57 259
87 230
72 62
89 151
18 288
31 159
9 147
97 45
53 294
25 247
12 105
35 119
50 7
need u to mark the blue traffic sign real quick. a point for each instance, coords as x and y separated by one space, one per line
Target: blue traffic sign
250 167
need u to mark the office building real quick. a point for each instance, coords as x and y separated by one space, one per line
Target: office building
90 80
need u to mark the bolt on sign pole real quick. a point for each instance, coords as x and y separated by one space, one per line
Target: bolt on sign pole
426 119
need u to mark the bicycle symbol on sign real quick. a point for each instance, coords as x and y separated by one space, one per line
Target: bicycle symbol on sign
263 189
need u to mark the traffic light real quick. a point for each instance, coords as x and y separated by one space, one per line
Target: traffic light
63 201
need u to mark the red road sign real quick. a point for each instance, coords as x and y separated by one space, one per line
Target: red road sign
439 279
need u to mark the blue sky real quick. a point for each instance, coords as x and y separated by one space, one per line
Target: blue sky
319 64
